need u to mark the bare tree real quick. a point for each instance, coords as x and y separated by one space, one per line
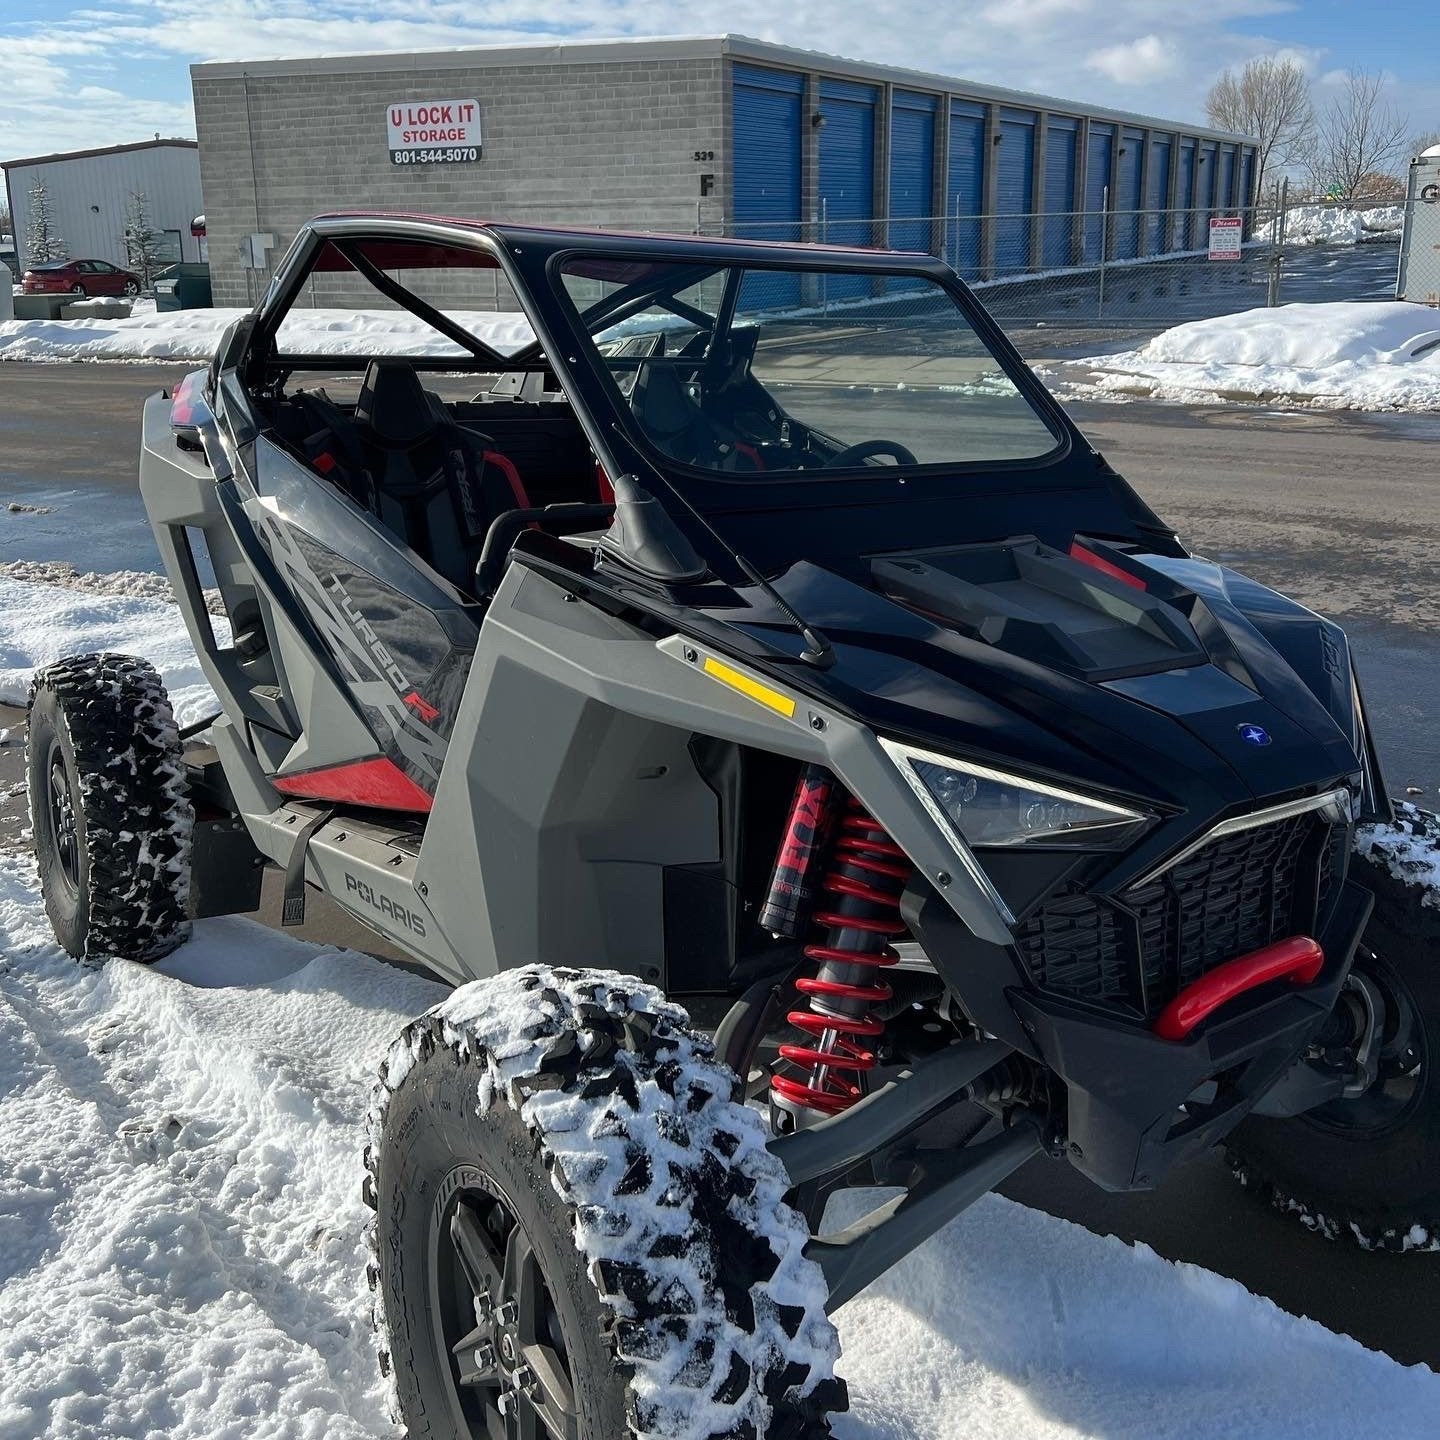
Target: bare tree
1424 141
1268 98
1358 133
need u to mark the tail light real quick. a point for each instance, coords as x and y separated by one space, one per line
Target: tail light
190 410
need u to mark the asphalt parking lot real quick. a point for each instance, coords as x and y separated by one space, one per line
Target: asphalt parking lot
1342 512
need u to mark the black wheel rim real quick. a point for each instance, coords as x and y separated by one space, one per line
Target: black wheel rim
1403 1062
499 1337
60 810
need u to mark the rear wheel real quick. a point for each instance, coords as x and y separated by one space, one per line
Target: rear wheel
579 1235
1367 1168
108 809
77 288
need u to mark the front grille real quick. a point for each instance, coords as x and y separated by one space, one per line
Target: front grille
1137 950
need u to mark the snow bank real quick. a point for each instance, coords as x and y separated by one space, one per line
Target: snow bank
42 623
181 1240
1379 355
194 334
1336 225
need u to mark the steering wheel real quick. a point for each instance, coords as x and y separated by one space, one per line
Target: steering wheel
854 454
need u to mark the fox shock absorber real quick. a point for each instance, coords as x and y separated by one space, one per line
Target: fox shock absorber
861 873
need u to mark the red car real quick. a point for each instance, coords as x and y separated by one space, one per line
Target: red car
79 277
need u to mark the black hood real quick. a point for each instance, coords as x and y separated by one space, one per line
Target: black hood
1232 696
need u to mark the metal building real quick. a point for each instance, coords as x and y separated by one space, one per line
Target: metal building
89 193
717 134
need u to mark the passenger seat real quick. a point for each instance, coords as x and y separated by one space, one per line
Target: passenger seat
438 486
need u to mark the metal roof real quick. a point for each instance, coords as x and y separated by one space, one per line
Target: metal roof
103 150
688 47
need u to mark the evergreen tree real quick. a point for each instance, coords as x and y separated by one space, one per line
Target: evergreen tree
144 245
41 241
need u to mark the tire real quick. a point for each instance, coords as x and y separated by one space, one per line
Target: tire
1368 1170
77 288
131 288
108 809
577 1108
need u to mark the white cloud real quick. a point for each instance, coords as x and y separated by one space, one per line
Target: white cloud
1138 62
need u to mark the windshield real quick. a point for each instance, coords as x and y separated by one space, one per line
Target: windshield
758 372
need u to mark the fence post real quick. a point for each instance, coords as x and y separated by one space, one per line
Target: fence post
1277 227
1104 245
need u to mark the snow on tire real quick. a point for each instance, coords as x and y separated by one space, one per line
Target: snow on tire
677 1273
108 807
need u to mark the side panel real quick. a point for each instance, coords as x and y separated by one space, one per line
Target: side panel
577 788
965 188
1129 198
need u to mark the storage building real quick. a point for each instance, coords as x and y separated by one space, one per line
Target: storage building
719 134
89 197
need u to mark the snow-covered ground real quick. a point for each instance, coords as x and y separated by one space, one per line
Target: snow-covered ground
1336 225
181 1240
40 623
194 334
1356 355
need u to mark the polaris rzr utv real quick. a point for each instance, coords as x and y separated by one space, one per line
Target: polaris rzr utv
760 636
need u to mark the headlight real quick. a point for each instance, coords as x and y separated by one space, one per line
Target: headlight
985 807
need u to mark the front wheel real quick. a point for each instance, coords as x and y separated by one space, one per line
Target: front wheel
108 807
578 1235
1367 1168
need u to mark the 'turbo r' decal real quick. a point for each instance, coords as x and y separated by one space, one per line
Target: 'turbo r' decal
381 655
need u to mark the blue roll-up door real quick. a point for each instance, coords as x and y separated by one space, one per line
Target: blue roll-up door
767 147
847 174
1185 198
965 186
1206 183
1128 197
1015 192
1226 197
1247 180
1097 182
1061 137
912 169
1157 201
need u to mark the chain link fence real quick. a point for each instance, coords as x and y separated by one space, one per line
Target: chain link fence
1108 277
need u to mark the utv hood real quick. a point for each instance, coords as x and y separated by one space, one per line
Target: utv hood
1171 681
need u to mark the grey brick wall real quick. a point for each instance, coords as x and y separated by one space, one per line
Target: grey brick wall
607 144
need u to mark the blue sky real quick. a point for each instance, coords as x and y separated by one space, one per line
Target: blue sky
108 71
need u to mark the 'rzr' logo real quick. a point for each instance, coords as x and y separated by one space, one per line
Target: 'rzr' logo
409 696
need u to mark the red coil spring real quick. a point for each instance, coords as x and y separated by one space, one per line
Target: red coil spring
847 985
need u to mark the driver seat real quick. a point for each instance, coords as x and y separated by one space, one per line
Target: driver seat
438 486
671 413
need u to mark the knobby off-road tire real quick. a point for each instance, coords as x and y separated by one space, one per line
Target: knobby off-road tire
579 1107
108 808
1369 1170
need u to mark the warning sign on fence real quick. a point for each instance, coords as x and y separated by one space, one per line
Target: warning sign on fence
1225 237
